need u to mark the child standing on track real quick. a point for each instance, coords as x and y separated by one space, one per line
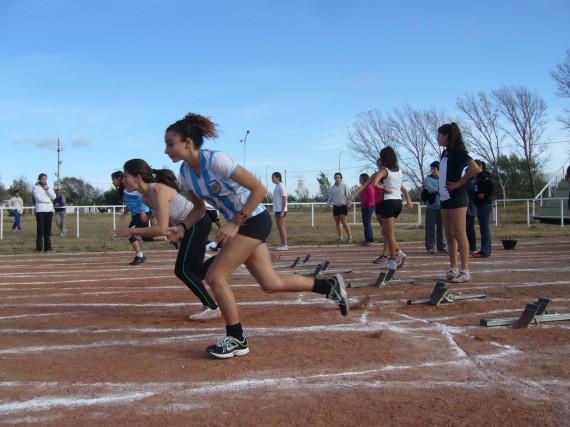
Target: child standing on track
217 178
160 191
454 199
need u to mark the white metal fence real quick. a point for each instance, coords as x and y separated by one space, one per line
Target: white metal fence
502 212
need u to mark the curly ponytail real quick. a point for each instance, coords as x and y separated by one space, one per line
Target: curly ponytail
195 127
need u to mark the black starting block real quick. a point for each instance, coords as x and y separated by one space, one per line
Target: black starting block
297 263
441 295
321 270
533 313
385 278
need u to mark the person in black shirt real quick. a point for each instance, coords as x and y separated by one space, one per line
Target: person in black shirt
483 191
454 199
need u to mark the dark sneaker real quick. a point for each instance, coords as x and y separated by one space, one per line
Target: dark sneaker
338 293
430 251
229 347
138 260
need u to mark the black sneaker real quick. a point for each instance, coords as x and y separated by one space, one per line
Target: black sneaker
229 347
138 260
338 293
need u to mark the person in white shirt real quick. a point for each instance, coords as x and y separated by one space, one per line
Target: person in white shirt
280 209
17 204
338 197
43 199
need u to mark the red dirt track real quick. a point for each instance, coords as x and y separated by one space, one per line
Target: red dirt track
88 340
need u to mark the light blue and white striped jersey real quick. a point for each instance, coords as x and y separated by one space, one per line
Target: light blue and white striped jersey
215 184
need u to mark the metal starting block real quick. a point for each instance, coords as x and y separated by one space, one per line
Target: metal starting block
383 279
321 270
441 295
297 263
533 313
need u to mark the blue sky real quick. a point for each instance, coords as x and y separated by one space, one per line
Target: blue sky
108 76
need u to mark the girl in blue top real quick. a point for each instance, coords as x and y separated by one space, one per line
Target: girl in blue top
217 178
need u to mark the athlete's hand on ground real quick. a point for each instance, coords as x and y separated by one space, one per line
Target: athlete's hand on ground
226 233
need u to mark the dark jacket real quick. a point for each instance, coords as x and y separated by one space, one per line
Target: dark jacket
483 185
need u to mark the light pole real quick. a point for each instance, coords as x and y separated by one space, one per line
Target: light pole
266 178
339 160
243 142
266 183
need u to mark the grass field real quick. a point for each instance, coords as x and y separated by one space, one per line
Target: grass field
95 236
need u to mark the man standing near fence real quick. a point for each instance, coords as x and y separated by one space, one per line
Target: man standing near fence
60 212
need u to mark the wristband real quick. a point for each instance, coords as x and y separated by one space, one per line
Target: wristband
184 226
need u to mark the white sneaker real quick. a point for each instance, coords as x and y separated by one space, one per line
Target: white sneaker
386 265
451 274
392 265
282 248
349 240
401 259
462 277
206 313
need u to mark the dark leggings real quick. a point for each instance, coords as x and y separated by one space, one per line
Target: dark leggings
190 266
43 238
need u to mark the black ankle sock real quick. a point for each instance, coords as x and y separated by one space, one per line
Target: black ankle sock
235 331
322 286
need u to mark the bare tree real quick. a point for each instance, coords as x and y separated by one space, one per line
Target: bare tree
524 111
484 133
412 133
411 142
561 74
369 134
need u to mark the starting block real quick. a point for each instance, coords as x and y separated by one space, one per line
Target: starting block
297 263
441 295
322 270
383 279
533 313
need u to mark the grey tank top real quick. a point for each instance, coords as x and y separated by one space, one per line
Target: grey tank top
178 207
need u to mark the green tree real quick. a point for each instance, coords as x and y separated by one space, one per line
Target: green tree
25 188
79 193
514 173
4 194
111 197
324 187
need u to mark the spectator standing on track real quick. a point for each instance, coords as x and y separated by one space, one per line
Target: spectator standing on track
483 196
160 191
367 203
453 198
434 225
280 209
17 205
338 197
43 197
60 212
139 214
217 178
471 215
